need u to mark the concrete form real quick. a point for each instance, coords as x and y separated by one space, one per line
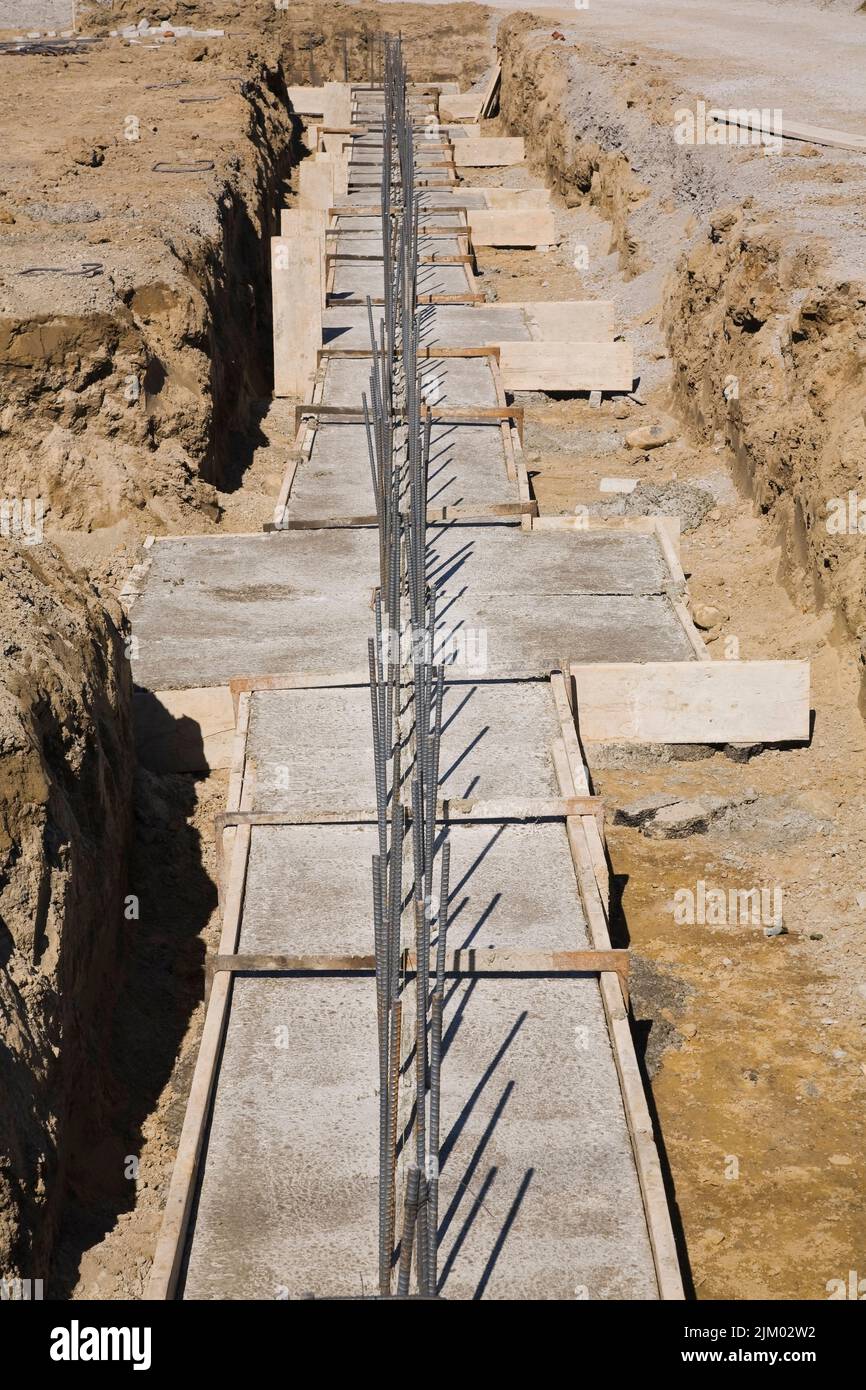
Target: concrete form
551 1185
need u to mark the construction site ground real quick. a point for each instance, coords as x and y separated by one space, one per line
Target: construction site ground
755 1044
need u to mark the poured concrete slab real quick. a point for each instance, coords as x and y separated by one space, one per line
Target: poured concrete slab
364 242
512 603
446 325
467 468
539 1195
217 608
313 747
308 889
502 560
515 635
356 279
444 381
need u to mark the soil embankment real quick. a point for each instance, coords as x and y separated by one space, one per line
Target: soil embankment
737 275
65 796
752 254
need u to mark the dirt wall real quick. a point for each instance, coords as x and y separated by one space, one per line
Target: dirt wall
321 43
123 386
65 778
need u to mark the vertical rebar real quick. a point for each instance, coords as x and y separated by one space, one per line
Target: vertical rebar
410 1212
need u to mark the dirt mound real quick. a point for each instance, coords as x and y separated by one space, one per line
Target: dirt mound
134 292
65 779
321 44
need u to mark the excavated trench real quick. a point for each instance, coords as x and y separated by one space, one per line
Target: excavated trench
737 275
142 408
134 401
758 256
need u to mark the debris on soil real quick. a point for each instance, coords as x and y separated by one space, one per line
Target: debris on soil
692 817
650 437
707 616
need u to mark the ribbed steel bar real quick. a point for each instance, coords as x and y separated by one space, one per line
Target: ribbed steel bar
436 1007
398 443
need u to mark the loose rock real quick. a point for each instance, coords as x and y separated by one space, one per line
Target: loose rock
692 817
638 812
707 616
650 437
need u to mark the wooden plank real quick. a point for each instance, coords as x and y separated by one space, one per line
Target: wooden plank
480 961
307 101
578 321
471 511
450 810
566 366
466 106
316 184
564 320
306 221
296 287
423 353
587 832
340 165
168 1256
693 701
189 730
572 776
485 154
332 102
298 680
490 92
374 257
671 552
512 227
377 300
684 617
334 143
789 130
516 808
641 525
644 1148
522 198
164 1272
464 415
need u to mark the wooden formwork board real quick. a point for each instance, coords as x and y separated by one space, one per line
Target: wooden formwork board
490 90
694 701
590 862
308 417
566 321
568 366
467 106
168 1256
519 199
489 152
296 286
455 415
457 963
512 227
